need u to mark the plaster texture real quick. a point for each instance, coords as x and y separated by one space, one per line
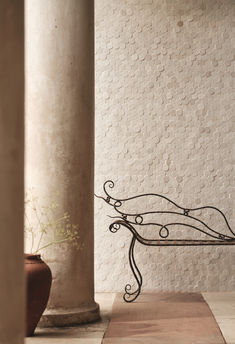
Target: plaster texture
59 144
165 123
11 172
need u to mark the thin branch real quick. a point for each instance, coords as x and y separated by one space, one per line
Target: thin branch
52 243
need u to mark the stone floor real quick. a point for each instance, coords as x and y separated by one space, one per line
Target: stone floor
221 304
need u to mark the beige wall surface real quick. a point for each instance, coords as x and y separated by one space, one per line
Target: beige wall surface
165 123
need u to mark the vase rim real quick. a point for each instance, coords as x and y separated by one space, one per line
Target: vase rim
32 256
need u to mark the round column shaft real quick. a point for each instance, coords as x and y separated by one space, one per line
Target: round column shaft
60 143
12 313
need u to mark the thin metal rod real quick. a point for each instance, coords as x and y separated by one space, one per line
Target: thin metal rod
130 296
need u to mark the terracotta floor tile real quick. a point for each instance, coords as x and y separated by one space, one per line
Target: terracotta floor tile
166 318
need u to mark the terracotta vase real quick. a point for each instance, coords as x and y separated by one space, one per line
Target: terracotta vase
38 285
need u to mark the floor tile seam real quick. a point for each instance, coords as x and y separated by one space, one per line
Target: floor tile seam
110 316
213 315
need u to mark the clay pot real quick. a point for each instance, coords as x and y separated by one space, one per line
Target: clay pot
38 285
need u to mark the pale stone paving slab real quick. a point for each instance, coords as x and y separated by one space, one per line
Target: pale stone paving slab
222 306
83 334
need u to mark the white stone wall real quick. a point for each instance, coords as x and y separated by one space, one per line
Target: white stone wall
165 123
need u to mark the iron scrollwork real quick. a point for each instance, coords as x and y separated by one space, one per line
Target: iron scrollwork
131 220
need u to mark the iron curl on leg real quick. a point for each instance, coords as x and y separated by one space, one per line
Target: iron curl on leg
132 296
129 296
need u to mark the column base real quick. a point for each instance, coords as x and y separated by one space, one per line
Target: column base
60 317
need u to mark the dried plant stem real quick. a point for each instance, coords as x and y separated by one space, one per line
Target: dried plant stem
40 239
31 233
51 243
49 229
42 227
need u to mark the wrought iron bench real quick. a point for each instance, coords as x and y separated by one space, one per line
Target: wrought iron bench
131 221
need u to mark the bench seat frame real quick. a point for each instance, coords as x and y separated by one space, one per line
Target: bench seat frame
131 221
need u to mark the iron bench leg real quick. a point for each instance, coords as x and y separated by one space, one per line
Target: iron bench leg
130 296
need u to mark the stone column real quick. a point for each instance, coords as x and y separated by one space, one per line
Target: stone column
12 298
60 143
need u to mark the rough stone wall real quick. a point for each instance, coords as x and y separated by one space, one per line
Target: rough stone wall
165 123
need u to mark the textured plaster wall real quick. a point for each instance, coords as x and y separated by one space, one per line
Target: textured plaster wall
165 123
